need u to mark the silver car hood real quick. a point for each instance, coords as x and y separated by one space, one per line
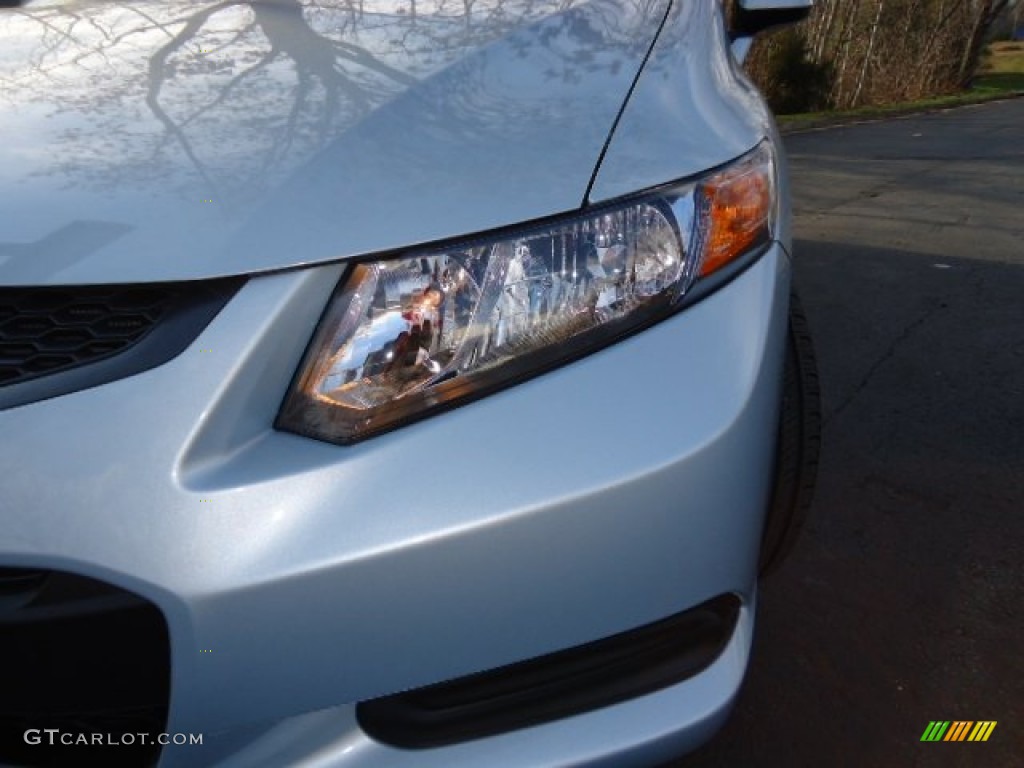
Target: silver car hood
154 141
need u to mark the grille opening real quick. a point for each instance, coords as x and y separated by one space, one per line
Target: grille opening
558 685
56 340
50 329
83 657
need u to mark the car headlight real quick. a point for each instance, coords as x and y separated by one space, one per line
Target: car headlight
405 336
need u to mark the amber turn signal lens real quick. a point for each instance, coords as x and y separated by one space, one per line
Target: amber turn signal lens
739 203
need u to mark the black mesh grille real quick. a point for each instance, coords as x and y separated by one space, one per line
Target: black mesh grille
56 340
47 330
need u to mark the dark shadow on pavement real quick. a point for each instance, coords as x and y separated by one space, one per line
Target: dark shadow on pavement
902 602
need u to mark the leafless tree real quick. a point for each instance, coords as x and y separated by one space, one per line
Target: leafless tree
202 86
878 51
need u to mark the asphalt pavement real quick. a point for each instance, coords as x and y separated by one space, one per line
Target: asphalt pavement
903 602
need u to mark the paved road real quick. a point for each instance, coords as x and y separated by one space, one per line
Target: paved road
904 601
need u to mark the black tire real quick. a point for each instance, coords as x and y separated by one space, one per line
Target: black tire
798 443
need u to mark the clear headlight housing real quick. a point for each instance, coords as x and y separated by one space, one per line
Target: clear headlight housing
408 335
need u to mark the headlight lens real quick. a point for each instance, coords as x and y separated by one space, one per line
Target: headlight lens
405 336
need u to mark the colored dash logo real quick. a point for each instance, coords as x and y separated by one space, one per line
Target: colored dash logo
958 730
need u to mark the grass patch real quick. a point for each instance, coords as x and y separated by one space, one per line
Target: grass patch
998 82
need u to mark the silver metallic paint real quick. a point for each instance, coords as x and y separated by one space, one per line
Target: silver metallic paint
604 495
312 570
355 132
693 107
641 732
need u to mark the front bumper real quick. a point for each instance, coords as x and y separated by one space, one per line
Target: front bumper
298 578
